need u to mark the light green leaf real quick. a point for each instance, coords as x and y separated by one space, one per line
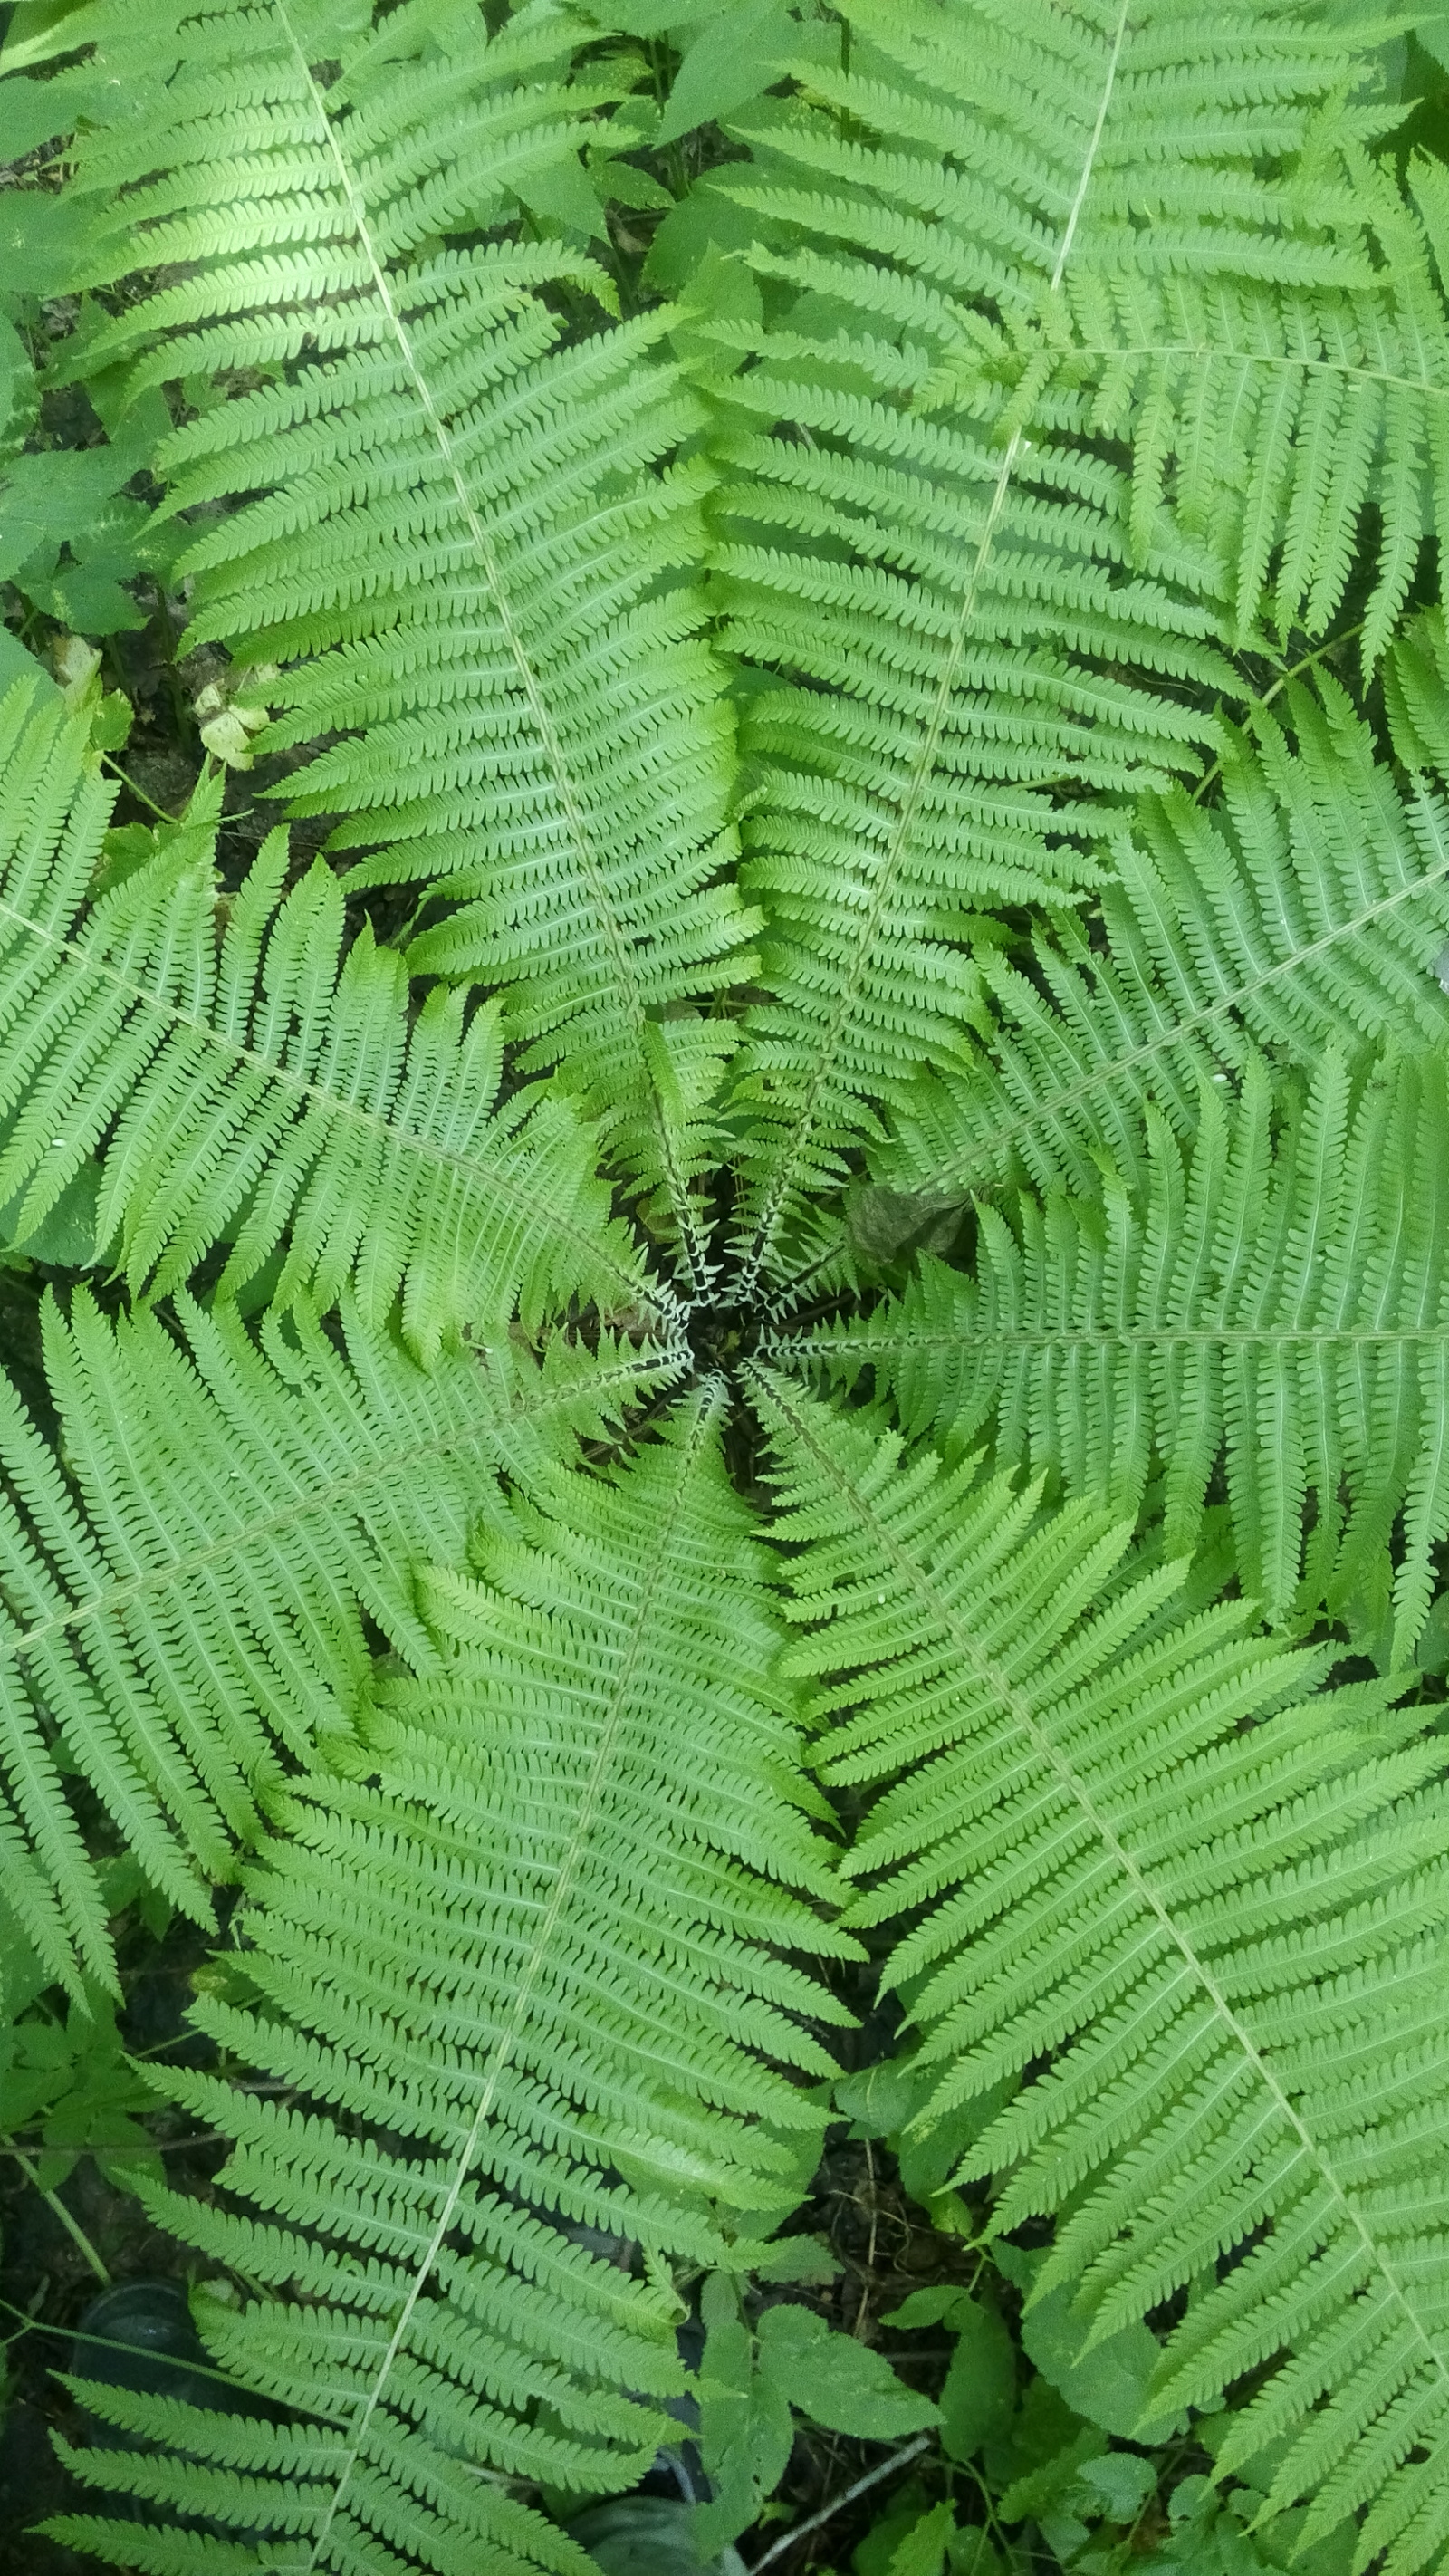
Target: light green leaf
1123 2480
872 2556
561 190
732 60
1107 2384
921 2550
17 664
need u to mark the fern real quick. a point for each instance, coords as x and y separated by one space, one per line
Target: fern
261 1083
464 533
1306 909
1009 530
973 598
1248 301
1284 1295
577 1845
1197 1907
198 1620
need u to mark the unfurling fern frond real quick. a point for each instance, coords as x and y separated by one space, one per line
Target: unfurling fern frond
1203 1901
186 1609
470 540
1284 1297
518 1973
1249 301
1306 909
251 1081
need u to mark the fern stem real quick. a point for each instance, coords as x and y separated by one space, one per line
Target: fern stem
57 2207
138 792
1167 1337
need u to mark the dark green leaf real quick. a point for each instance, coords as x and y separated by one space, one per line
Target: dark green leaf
835 2380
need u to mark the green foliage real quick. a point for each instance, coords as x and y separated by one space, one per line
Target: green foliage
240 1511
981 2381
523 1944
1238 293
256 1079
466 551
1308 908
1201 1896
998 506
68 2078
1280 1300
750 2382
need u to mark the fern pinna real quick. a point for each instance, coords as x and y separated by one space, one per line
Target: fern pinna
800 1288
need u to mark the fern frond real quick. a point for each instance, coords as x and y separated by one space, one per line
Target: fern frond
521 1971
965 652
470 540
1249 303
1282 1300
1204 1899
186 1607
253 1080
989 619
1304 910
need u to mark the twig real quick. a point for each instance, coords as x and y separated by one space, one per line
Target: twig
114 2343
872 2478
139 791
862 2318
53 2202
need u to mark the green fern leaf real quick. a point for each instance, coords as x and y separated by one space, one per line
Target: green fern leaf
266 1083
1285 1298
196 1624
1305 910
520 1974
1249 300
979 621
1202 1900
965 659
471 541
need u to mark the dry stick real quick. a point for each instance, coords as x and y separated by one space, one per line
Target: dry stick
872 2478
